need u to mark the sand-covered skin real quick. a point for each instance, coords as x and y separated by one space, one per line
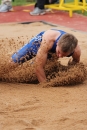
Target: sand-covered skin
31 106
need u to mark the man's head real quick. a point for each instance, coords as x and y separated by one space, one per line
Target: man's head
66 45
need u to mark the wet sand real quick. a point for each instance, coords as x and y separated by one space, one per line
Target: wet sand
59 104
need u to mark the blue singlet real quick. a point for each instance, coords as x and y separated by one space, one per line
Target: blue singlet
30 49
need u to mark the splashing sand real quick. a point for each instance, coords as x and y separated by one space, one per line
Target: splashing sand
57 74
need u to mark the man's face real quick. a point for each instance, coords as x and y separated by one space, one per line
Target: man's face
60 53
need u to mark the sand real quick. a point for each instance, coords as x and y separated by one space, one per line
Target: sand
60 104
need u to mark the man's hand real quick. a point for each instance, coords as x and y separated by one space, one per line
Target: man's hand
71 62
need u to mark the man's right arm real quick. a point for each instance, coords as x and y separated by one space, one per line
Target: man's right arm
41 57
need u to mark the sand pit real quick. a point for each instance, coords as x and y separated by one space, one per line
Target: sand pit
25 105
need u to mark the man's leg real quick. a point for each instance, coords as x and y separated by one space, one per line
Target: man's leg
41 3
27 52
6 5
3 1
39 8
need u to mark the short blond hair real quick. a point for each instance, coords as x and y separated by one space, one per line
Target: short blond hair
68 42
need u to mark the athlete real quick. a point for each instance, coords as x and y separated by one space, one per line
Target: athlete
55 41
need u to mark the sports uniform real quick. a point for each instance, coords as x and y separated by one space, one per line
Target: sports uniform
29 50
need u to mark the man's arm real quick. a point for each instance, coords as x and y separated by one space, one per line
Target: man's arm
41 57
77 54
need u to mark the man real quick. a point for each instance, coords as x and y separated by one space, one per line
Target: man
54 41
6 5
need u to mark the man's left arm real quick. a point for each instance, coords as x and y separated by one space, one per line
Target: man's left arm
76 55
